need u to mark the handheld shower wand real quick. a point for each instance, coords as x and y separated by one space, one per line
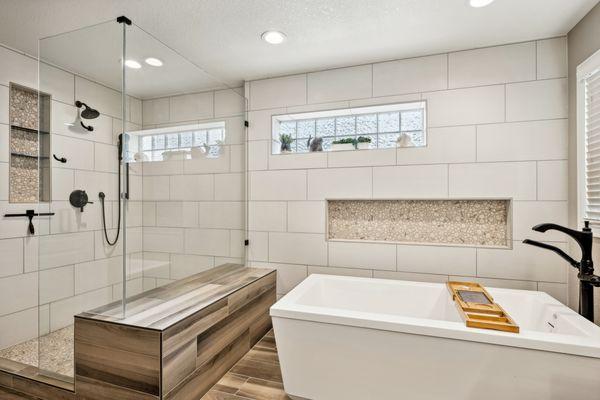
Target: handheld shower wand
122 196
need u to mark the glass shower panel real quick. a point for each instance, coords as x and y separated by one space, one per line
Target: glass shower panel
78 269
186 165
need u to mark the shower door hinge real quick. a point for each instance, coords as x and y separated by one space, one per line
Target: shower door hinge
246 124
247 242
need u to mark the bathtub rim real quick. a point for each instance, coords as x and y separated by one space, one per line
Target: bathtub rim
585 346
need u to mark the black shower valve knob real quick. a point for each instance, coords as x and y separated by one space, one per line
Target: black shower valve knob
79 199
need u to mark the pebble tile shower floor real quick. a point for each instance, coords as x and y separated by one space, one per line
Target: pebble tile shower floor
56 350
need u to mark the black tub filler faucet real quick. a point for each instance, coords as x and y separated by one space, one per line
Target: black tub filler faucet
587 279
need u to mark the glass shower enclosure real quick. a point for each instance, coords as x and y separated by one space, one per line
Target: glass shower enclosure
146 179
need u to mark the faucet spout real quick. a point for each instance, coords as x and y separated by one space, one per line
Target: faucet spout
554 249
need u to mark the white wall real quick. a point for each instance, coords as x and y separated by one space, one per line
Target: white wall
194 210
67 260
497 127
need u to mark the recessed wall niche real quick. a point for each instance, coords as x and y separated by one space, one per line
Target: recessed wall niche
464 222
29 114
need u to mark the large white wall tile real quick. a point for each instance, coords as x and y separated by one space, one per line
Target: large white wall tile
4 146
192 187
267 216
229 102
444 145
98 274
258 250
184 265
167 240
260 123
298 161
58 83
528 101
362 255
79 153
18 327
95 182
478 105
258 154
428 259
221 214
156 187
492 65
4 104
62 311
423 181
522 141
526 214
361 158
155 111
4 173
297 248
511 180
190 107
522 262
105 158
340 84
552 58
552 180
229 187
497 283
17 68
65 249
278 92
209 165
11 262
421 74
177 214
278 185
56 283
212 242
339 183
18 293
306 216
557 290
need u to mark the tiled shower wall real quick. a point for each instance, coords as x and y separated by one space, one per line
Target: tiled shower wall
194 210
75 270
497 127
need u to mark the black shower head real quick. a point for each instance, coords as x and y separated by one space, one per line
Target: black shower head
88 112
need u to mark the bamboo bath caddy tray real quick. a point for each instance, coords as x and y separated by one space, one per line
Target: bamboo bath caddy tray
478 309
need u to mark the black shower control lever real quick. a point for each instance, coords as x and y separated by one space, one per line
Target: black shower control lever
79 199
29 214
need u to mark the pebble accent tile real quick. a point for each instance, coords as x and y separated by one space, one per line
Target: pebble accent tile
52 352
459 222
24 178
23 107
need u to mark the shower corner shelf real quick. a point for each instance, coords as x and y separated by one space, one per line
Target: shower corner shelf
30 130
28 156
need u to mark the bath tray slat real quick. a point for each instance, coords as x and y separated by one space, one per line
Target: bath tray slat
478 309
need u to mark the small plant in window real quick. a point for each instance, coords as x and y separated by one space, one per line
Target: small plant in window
286 142
363 142
343 144
314 144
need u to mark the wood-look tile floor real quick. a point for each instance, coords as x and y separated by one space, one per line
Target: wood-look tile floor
257 376
6 394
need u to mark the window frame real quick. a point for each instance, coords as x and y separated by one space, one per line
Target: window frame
376 109
588 67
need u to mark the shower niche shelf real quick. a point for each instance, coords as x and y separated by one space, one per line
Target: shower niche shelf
453 222
29 176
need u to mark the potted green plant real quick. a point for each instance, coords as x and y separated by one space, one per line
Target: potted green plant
286 142
343 144
363 142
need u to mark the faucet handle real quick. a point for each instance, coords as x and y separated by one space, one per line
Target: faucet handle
586 227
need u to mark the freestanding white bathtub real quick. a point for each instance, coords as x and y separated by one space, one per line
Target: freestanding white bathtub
350 338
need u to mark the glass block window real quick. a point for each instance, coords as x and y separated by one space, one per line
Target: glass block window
382 124
155 144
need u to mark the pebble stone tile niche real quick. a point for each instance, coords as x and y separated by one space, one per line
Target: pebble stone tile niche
29 148
472 222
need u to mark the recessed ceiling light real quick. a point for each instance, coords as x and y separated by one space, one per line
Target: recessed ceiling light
155 62
480 3
133 64
273 37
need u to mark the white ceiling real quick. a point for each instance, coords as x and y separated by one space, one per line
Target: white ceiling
223 36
